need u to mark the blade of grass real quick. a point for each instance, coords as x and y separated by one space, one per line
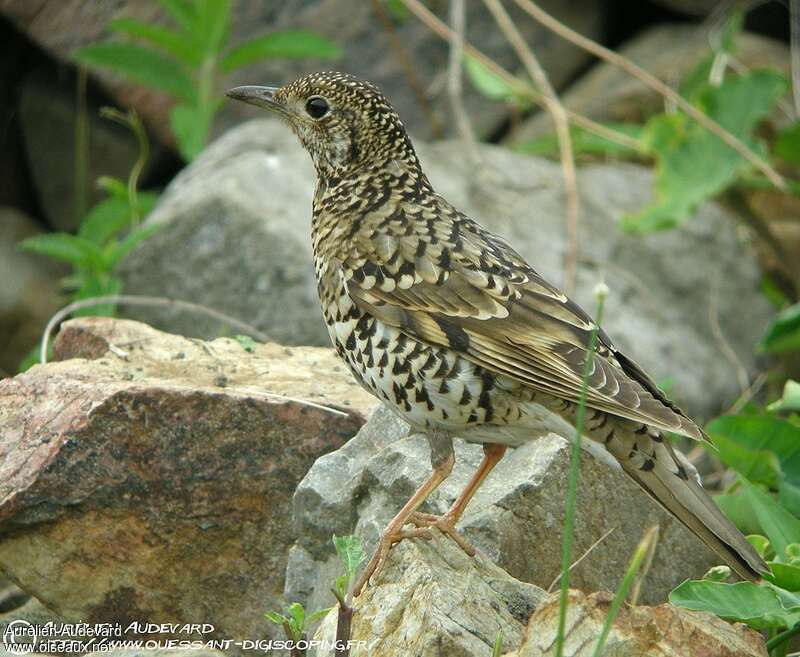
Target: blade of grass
601 292
640 555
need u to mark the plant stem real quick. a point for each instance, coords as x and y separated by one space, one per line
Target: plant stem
136 171
81 147
783 637
574 467
343 621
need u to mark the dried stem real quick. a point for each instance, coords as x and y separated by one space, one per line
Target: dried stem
407 65
582 557
521 88
135 300
454 78
653 82
561 122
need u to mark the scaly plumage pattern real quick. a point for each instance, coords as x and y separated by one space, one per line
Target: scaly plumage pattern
452 328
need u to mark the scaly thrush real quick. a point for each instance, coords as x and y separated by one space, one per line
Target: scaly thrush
455 331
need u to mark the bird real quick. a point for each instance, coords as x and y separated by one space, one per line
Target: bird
456 332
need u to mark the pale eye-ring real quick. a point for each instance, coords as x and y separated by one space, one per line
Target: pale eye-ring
317 107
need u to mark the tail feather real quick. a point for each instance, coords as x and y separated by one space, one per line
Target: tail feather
651 462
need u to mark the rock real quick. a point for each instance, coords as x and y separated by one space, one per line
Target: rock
669 52
154 480
237 238
515 518
432 599
47 109
29 294
354 26
662 631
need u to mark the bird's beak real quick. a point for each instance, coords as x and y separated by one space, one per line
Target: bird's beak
258 96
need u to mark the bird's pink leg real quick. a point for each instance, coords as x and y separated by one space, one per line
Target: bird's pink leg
447 523
443 459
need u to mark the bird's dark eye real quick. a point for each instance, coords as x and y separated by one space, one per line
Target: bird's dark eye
317 107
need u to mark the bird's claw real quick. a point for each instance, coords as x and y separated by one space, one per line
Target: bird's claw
444 524
389 538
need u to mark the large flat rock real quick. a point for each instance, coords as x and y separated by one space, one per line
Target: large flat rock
149 476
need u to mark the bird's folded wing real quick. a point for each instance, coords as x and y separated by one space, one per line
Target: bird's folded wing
510 321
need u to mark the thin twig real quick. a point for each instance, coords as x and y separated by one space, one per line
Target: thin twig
454 78
522 89
407 65
136 300
725 346
582 557
561 122
653 82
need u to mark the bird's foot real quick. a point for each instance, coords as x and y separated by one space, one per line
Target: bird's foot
390 537
445 524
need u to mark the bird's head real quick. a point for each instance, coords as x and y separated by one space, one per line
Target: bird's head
345 124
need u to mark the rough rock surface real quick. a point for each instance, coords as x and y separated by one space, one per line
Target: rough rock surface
663 631
515 518
62 25
432 599
668 51
154 481
237 238
29 294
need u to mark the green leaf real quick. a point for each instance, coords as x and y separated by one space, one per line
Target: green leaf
247 343
350 552
77 251
738 510
682 147
117 252
138 64
780 526
789 401
397 10
275 617
295 44
761 544
318 614
105 220
784 575
298 615
783 333
182 12
787 145
789 497
213 21
175 43
489 84
763 432
761 607
191 125
718 574
759 466
585 142
113 187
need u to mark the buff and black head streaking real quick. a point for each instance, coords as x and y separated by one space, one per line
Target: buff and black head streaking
455 331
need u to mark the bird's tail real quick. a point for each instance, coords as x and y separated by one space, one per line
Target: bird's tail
652 463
